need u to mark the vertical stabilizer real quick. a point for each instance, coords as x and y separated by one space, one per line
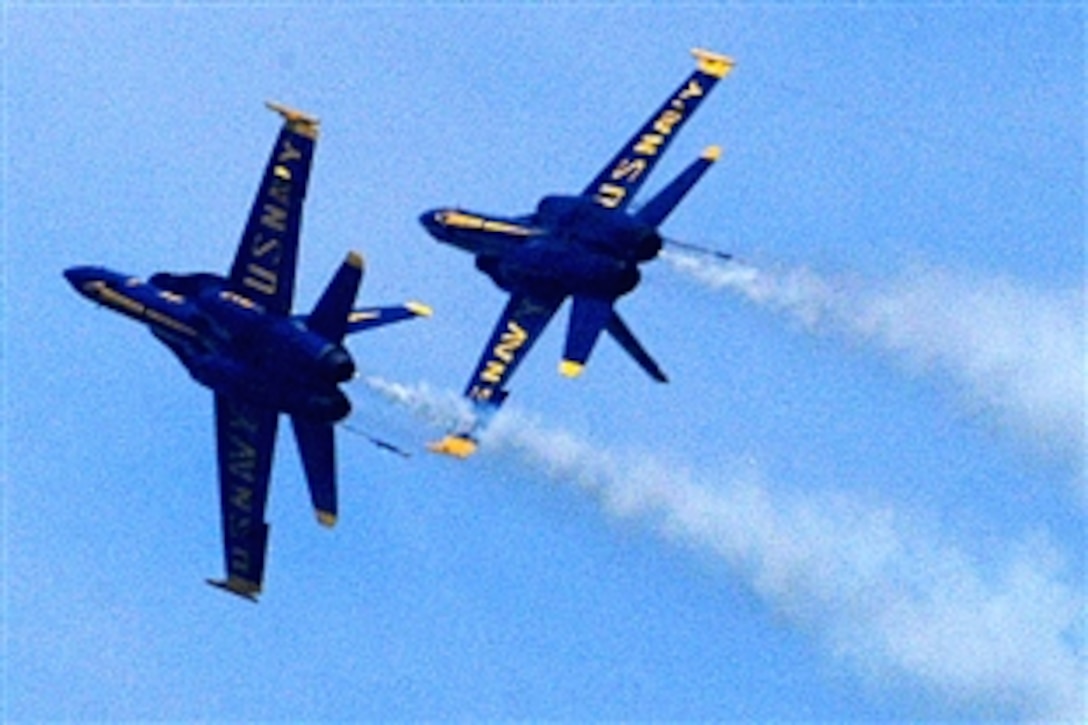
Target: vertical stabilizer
658 208
588 318
317 450
330 316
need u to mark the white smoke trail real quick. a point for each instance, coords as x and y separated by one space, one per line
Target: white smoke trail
439 408
1003 636
1017 352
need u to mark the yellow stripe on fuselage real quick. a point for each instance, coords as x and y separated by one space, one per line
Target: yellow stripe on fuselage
123 303
461 220
115 299
160 319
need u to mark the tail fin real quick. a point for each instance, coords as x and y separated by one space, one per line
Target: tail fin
330 316
658 208
588 318
317 449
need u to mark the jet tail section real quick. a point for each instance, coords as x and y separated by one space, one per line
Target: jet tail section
589 317
330 316
318 452
658 208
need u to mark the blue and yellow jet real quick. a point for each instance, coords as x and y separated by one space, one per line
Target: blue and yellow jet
237 336
586 247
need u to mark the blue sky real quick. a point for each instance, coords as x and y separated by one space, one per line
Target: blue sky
862 495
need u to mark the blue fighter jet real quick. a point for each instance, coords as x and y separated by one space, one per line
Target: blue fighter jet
237 336
587 247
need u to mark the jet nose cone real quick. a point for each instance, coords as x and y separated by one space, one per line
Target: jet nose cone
76 275
80 277
435 221
429 220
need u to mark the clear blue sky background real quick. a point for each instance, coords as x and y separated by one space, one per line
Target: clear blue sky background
861 496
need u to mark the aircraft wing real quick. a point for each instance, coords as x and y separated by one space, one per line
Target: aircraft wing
264 266
245 437
621 178
523 319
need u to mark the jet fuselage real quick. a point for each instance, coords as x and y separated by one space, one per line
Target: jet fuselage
569 246
229 343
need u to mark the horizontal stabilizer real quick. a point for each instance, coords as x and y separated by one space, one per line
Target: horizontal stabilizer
623 335
588 318
368 319
658 208
241 587
317 450
330 316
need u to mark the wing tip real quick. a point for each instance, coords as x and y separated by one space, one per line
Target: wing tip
570 368
326 519
456 446
238 586
712 153
355 259
299 121
713 64
419 309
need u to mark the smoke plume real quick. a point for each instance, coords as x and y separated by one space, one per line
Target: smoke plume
1003 636
1016 352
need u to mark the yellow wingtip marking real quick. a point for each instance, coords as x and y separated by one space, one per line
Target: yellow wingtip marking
712 153
453 445
713 64
418 308
300 122
570 368
326 519
355 260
